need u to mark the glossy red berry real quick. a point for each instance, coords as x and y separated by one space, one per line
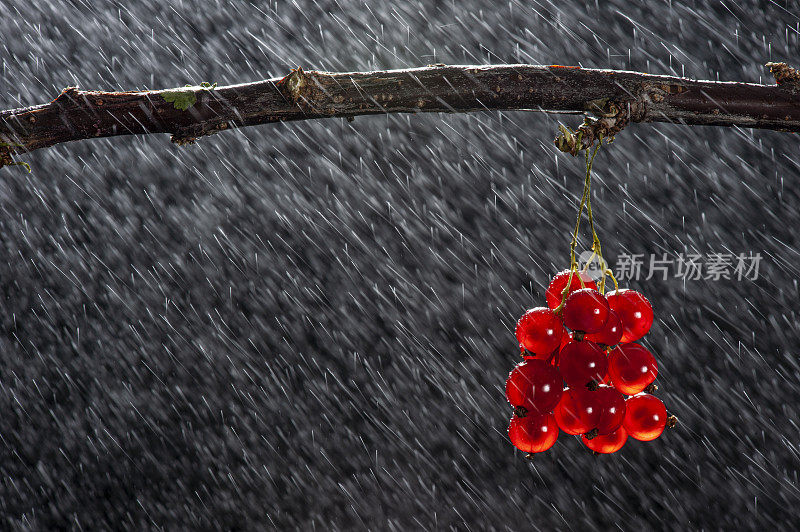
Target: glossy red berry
533 433
632 368
586 310
559 282
645 417
607 443
582 362
539 331
635 312
610 334
534 385
550 357
576 412
611 409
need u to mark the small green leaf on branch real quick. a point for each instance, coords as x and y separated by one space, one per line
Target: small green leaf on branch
185 97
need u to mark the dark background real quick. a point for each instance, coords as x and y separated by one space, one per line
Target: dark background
309 325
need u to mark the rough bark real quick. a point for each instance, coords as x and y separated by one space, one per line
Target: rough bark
615 97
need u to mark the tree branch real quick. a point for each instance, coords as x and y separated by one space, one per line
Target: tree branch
614 97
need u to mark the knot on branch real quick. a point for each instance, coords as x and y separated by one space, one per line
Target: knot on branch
301 88
294 83
66 95
610 118
613 117
785 76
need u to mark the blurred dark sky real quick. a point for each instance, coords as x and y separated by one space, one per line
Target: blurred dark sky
309 325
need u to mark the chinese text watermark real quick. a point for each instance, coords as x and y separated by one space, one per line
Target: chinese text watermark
688 266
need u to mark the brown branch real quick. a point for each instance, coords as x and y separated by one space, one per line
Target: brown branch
614 97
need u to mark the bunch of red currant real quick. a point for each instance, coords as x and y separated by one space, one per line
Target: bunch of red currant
599 362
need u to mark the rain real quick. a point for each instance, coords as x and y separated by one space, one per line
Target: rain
309 325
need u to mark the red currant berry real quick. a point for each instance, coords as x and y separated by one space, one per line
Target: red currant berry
645 417
611 409
534 385
575 413
586 310
607 443
559 283
550 357
533 433
610 334
632 368
539 331
635 312
582 362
